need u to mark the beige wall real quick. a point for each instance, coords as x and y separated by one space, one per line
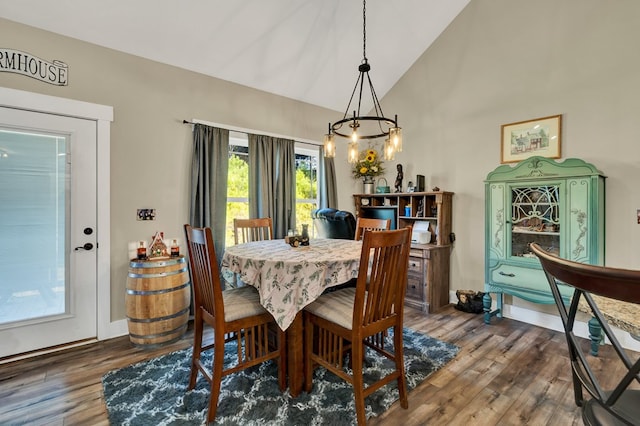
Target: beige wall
150 146
503 61
499 62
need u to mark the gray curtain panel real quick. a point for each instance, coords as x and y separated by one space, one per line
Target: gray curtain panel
272 181
327 185
209 169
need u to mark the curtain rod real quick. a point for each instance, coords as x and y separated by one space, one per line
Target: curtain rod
250 131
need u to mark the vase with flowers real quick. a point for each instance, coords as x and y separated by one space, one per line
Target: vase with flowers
368 167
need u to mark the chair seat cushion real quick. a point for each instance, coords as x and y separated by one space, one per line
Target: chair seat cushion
241 302
629 404
336 307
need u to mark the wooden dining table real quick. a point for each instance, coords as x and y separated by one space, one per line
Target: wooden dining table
288 279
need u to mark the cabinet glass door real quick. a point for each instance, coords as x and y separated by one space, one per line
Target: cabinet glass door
535 218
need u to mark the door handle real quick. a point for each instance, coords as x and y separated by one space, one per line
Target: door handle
86 246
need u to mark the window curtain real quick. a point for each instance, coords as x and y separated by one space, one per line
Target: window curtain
272 181
327 185
209 167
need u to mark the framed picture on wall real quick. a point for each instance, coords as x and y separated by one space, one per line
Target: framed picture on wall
524 139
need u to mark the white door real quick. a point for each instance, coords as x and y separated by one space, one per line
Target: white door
47 230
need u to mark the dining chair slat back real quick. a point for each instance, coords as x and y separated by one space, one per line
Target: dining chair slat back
235 315
247 230
364 224
352 318
611 399
207 293
383 291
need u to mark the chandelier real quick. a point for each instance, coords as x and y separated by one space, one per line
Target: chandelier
357 126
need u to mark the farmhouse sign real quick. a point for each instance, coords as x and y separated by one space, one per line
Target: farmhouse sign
24 63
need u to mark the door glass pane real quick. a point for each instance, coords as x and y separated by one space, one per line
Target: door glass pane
34 179
535 218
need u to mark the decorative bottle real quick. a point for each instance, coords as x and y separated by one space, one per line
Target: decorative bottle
175 249
305 235
142 251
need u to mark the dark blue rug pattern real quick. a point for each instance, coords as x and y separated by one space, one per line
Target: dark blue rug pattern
154 392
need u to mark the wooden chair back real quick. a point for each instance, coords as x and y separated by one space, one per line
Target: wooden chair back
382 279
247 230
364 224
620 402
205 276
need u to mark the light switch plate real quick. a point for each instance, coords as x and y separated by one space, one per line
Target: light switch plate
146 214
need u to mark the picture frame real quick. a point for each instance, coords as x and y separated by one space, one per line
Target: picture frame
524 139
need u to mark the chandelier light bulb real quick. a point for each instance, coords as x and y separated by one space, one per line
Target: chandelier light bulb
353 152
389 150
395 134
329 144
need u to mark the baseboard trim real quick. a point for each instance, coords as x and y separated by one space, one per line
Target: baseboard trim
116 329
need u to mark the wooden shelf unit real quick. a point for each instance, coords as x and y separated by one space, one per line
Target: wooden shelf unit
428 275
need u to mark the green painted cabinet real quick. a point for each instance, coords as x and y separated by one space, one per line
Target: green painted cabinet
557 204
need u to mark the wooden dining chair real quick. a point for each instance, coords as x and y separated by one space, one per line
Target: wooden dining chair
247 230
612 387
364 224
235 315
354 318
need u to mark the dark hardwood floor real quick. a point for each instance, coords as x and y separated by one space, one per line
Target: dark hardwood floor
508 373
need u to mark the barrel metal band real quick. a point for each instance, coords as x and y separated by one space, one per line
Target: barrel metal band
152 292
149 320
158 275
164 333
147 264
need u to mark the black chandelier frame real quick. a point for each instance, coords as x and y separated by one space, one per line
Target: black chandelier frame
347 125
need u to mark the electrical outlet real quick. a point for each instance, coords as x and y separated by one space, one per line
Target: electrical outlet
146 214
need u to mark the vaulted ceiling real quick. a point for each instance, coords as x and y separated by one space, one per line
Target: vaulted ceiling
308 50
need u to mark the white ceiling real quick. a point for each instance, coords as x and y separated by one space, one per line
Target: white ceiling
307 50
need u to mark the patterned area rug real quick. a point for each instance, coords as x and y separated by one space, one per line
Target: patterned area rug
154 392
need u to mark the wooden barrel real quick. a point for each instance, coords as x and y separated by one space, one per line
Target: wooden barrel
157 301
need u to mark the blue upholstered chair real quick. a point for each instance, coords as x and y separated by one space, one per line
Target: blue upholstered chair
332 223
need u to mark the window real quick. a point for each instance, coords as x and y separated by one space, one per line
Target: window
306 184
237 182
306 162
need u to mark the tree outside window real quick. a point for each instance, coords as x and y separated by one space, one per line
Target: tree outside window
306 162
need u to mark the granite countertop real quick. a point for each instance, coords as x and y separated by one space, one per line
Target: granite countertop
625 316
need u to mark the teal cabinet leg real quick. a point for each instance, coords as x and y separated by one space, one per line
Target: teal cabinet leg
595 334
486 307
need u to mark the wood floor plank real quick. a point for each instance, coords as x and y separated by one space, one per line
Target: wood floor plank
507 373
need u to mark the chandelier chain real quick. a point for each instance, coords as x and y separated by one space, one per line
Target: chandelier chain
364 29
